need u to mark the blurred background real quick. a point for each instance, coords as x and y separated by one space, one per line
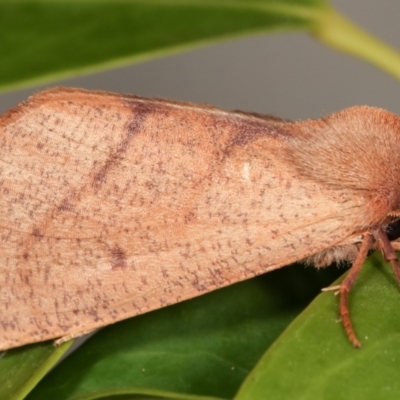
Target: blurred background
290 75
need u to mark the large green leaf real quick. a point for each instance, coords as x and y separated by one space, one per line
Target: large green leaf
313 359
42 38
204 347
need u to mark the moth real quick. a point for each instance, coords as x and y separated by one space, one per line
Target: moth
114 205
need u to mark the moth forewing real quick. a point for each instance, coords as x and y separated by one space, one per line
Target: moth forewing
116 205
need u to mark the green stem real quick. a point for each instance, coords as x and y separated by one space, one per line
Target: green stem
340 33
40 372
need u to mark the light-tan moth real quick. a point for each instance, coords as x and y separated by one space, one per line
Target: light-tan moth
115 205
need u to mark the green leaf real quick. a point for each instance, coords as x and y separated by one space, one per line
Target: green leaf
203 347
43 40
313 359
22 368
50 39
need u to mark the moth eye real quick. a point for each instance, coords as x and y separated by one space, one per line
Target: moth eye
393 230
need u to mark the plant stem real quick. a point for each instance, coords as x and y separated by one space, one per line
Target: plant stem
335 30
40 372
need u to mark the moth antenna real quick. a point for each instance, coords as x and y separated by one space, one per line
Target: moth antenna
64 339
348 283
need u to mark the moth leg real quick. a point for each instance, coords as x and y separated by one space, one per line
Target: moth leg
347 284
386 247
67 338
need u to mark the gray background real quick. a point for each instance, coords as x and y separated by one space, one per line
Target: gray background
287 74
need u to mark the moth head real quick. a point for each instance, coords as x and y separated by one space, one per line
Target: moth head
355 150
